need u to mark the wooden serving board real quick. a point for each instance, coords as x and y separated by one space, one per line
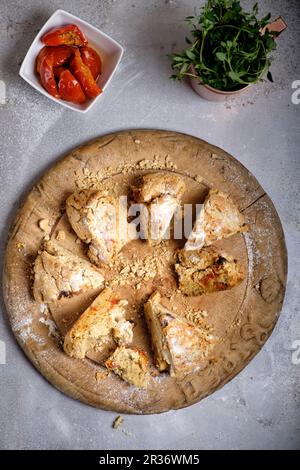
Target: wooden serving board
242 318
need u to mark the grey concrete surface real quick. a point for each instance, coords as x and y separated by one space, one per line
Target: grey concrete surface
259 409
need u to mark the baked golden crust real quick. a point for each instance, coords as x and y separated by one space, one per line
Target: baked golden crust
101 322
59 273
178 345
219 218
159 194
205 271
153 185
99 220
131 365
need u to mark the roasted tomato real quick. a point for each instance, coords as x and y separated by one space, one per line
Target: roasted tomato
39 58
92 59
84 76
69 35
58 70
48 58
47 76
69 88
59 55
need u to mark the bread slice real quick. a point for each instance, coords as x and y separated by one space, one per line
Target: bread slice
102 321
179 346
100 220
219 218
131 365
204 271
159 195
59 273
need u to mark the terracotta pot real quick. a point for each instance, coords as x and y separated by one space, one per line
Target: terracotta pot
212 94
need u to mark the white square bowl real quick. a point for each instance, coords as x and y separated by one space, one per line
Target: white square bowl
109 50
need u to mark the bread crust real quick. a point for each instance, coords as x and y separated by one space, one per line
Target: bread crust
205 271
159 195
153 185
179 346
59 273
219 218
104 320
99 220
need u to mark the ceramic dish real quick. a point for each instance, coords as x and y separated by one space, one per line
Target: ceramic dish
109 50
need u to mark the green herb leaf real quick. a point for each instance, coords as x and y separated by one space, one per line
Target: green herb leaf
177 59
184 69
190 54
221 55
234 76
270 43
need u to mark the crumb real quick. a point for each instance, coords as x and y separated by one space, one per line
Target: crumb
20 246
89 180
138 269
127 433
60 235
44 225
125 270
117 422
197 318
78 241
101 374
137 141
198 178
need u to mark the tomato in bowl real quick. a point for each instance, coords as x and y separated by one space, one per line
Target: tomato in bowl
108 50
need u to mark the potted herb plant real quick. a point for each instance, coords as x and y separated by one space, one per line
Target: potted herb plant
230 49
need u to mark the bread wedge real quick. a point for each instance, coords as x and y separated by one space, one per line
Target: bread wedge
99 220
205 271
159 196
131 365
59 273
102 321
219 218
179 346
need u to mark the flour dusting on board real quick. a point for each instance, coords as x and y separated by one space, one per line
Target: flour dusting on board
249 246
23 329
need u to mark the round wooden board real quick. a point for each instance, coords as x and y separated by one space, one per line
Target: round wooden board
243 317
